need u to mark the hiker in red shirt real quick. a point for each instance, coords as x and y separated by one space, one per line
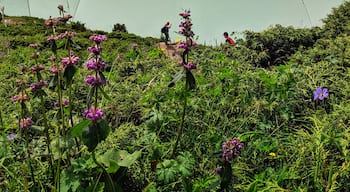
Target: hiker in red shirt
229 39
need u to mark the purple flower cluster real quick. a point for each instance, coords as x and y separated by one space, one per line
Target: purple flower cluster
231 149
186 30
98 38
71 60
93 114
321 94
186 25
21 97
38 85
11 136
189 66
65 102
37 68
93 80
95 65
25 123
96 50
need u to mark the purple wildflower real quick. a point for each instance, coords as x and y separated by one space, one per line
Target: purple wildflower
35 55
37 68
93 80
93 114
96 50
60 7
321 94
25 123
11 136
98 65
65 102
55 69
71 60
218 170
21 97
98 38
185 14
38 85
231 148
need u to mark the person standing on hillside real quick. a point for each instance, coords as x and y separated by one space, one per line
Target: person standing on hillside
165 31
229 39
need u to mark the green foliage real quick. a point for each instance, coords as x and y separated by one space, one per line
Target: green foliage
291 143
119 28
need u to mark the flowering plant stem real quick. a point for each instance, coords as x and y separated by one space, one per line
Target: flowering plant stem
180 129
104 170
48 140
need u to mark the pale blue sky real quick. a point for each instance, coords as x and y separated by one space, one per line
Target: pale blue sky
210 17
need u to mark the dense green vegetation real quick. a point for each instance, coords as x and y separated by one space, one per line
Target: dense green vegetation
261 91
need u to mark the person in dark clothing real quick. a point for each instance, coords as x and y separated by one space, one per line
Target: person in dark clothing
229 39
165 31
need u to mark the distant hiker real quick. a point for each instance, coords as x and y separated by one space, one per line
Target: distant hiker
229 39
165 31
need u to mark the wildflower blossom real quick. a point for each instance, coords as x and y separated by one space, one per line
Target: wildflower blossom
321 94
185 14
96 50
37 68
35 55
25 123
96 65
71 60
60 7
21 97
231 148
93 114
272 154
93 80
38 85
98 38
218 170
11 136
65 102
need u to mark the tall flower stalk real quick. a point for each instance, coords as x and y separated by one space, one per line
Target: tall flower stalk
187 44
24 121
98 129
62 71
39 92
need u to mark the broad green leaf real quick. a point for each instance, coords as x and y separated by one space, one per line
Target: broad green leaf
177 77
190 81
113 166
69 73
77 130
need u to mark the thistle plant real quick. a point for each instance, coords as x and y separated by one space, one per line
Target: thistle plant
185 30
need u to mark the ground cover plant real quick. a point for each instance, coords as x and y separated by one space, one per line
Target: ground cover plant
85 110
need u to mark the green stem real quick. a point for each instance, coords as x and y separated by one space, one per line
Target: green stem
180 129
104 170
48 139
71 113
1 122
29 157
58 131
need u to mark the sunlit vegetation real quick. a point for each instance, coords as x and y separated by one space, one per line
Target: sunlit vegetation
85 110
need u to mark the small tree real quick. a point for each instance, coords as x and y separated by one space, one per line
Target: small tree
119 28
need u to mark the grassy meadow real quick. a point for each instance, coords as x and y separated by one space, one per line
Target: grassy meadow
88 110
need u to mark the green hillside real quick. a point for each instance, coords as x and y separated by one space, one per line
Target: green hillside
268 114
